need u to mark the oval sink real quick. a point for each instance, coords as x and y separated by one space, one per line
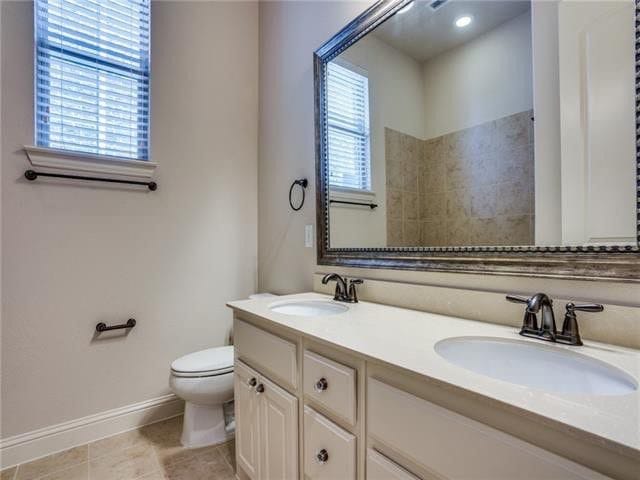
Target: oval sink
308 308
541 367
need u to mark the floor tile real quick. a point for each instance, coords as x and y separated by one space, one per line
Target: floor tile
116 443
78 472
52 463
228 451
127 464
200 469
8 473
154 476
170 456
163 434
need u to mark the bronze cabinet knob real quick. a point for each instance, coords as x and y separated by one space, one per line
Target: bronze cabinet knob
321 385
322 456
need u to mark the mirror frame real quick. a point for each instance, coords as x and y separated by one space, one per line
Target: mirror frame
610 263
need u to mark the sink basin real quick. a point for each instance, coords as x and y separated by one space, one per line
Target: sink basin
541 367
308 308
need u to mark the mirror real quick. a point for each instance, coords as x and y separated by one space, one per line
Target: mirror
457 123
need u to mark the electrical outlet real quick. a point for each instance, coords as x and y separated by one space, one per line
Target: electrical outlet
308 236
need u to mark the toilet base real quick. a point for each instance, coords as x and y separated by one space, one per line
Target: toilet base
203 425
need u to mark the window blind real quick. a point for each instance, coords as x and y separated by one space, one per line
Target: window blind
92 76
348 128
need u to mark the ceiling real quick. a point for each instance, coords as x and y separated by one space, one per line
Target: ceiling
422 32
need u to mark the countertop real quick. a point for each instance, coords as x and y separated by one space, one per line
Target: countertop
406 339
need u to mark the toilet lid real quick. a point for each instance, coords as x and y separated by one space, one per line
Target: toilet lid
209 360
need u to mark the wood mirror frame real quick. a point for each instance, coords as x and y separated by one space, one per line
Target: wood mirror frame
610 263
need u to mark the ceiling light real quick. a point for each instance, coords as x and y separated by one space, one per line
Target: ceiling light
406 8
462 22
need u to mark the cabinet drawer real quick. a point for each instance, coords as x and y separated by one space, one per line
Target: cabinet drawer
380 467
269 353
454 446
330 384
329 451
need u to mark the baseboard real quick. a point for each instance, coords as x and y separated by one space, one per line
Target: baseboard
45 441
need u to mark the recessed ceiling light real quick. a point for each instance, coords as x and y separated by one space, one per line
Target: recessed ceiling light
406 8
463 21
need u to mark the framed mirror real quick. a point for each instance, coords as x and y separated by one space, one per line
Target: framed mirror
486 136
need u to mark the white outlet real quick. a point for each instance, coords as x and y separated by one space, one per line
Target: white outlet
308 236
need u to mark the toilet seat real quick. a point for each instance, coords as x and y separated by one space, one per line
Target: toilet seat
211 362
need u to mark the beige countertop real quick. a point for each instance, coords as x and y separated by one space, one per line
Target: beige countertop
406 339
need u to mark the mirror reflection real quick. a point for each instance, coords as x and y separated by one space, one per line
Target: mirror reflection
444 127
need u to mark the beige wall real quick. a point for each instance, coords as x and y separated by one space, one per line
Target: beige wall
77 255
479 81
290 31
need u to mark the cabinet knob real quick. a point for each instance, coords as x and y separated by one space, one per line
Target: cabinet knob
259 389
322 456
321 385
252 382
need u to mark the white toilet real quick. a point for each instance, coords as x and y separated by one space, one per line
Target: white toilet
204 380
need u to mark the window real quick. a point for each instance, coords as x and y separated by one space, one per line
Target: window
92 76
348 127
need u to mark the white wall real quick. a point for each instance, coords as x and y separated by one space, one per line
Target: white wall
479 81
546 101
74 255
396 91
290 31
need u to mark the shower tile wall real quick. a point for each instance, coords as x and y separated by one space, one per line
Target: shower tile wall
471 187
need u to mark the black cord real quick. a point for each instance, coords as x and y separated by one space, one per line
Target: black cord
303 183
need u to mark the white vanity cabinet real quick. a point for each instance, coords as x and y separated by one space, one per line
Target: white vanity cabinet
309 410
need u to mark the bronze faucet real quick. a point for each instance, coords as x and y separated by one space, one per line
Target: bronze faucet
570 334
342 293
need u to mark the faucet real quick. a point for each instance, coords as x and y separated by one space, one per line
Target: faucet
342 293
569 335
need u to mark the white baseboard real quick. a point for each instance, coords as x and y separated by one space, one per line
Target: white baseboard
45 441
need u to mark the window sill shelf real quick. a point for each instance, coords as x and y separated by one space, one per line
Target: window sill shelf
63 161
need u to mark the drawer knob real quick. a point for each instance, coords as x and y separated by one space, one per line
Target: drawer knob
259 389
252 382
322 456
321 385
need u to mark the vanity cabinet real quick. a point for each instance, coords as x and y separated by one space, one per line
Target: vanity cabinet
305 410
266 426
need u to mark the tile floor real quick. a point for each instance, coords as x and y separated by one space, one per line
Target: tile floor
152 452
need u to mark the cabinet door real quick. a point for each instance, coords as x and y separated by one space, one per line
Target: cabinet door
329 451
278 432
247 420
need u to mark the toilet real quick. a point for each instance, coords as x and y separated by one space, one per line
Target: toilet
204 380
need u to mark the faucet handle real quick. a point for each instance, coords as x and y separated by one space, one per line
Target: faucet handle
353 294
585 307
530 320
570 331
517 299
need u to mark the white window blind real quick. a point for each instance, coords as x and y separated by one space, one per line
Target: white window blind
92 76
348 128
